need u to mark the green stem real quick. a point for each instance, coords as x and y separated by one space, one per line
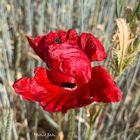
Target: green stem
71 125
93 118
90 130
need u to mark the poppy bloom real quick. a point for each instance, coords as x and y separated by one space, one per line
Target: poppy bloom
69 80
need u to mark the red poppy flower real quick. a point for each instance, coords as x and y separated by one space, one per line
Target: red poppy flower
69 81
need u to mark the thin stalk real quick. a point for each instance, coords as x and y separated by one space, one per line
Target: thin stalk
71 125
36 120
50 120
79 124
93 118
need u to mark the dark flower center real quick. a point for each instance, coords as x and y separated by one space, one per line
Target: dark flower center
57 41
68 85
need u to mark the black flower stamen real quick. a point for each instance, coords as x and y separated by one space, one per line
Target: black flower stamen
57 41
68 85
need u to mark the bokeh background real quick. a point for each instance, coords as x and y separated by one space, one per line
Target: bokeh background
23 120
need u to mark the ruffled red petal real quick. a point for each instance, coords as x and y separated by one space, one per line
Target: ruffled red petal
36 88
92 47
65 101
102 87
67 64
57 37
34 43
51 97
72 37
87 42
55 98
